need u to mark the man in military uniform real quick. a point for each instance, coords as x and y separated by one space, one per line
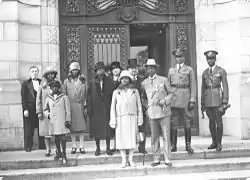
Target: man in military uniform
214 97
182 77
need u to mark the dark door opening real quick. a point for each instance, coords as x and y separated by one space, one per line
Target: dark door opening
152 36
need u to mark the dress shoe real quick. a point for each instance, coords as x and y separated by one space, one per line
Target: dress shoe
28 150
132 164
168 163
73 151
82 151
155 164
108 151
97 152
174 149
58 155
189 148
48 153
212 146
219 148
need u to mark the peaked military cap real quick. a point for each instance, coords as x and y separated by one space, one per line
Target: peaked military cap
178 52
211 54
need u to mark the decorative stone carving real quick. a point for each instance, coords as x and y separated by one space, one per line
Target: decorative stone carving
94 6
159 6
181 5
72 43
127 14
182 36
72 6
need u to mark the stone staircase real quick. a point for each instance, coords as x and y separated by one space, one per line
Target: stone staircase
233 162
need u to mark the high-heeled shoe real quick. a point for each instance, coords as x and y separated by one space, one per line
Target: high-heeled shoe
132 164
123 164
48 153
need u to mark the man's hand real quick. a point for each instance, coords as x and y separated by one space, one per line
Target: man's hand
40 116
191 106
203 108
113 126
162 102
26 113
67 124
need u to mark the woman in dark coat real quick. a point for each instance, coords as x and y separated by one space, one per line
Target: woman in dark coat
99 102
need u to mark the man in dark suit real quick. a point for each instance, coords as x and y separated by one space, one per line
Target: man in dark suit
133 68
214 97
30 120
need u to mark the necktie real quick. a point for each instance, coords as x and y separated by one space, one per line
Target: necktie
211 70
179 67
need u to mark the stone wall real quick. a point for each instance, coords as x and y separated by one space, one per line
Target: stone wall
29 35
224 25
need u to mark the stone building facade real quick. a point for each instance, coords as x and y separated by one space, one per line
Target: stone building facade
29 34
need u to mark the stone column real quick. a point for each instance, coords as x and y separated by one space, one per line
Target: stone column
219 26
28 36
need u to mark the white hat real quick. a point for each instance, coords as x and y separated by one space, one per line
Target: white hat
151 62
125 73
74 66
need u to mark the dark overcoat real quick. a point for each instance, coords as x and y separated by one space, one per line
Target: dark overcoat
98 103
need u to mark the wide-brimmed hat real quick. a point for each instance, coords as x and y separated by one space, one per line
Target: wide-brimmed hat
74 66
99 65
115 64
132 63
55 83
178 52
49 70
125 73
211 54
151 62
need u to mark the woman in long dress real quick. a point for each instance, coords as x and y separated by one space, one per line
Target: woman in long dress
126 116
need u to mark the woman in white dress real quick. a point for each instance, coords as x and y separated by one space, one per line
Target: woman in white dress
126 116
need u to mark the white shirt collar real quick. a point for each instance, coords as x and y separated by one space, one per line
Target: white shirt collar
179 65
152 78
213 67
35 84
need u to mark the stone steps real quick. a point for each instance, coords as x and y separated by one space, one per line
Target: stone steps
36 159
113 170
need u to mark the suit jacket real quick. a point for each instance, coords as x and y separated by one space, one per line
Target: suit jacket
185 83
214 88
156 90
28 95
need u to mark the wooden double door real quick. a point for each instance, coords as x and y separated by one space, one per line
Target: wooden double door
98 30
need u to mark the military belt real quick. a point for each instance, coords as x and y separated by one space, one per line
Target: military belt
180 85
213 87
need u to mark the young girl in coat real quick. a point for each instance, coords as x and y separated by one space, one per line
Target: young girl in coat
57 109
126 116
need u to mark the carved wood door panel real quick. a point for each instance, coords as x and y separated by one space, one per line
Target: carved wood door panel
107 44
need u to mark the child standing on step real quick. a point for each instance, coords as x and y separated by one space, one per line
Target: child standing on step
57 109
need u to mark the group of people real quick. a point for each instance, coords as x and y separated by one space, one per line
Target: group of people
118 105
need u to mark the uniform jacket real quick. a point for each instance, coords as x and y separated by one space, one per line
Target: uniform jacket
58 110
28 95
185 83
98 103
214 89
77 93
156 90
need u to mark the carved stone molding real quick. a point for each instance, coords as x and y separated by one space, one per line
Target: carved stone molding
72 43
72 6
181 5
